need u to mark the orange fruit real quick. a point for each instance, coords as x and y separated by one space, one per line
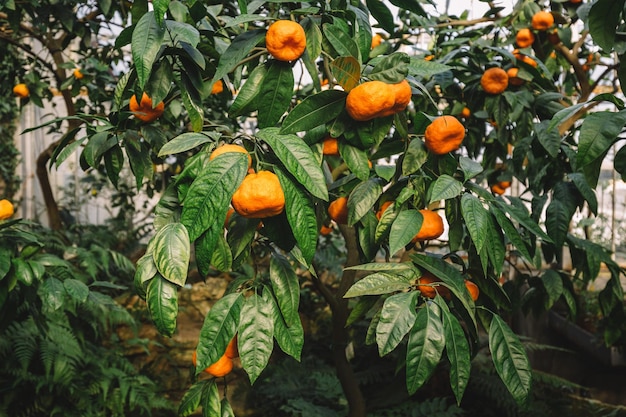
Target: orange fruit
338 210
376 40
21 90
432 226
473 289
382 209
500 187
260 195
330 146
426 287
325 230
513 78
466 112
231 350
445 134
373 99
217 87
285 40
429 57
528 60
77 74
144 110
230 148
524 38
6 209
542 20
494 80
221 368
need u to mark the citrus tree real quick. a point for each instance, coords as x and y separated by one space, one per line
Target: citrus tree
388 128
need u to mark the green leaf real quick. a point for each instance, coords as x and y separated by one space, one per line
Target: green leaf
385 223
52 293
256 335
558 217
97 145
366 234
172 252
382 14
469 167
457 350
379 266
76 289
598 132
298 159
313 38
146 43
362 199
347 72
476 219
396 319
195 112
445 187
524 219
289 338
585 190
563 115
362 28
356 159
209 195
139 159
113 162
227 410
219 327
187 141
619 162
276 92
391 68
313 111
511 232
300 213
549 139
211 403
246 100
380 283
191 400
286 286
604 16
553 284
238 50
146 270
162 300
414 157
509 359
222 257
421 68
425 346
404 228
340 40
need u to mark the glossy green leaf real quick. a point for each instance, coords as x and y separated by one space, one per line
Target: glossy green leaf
315 110
76 289
362 29
160 82
604 16
457 350
598 132
139 159
146 43
290 339
469 167
240 236
227 410
396 319
145 271
256 335
379 283
404 228
209 196
382 14
558 217
219 327
476 219
286 287
238 50
211 400
421 68
553 284
167 209
191 399
276 92
391 68
563 115
162 300
313 38
182 32
246 99
511 232
619 162
113 162
549 139
585 190
494 246
383 228
222 257
445 187
362 199
195 112
524 219
414 157
52 293
356 159
425 347
97 145
379 266
187 141
347 72
340 40
509 359
172 252
366 236
298 159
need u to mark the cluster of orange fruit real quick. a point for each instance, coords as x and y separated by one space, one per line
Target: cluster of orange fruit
224 365
430 286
